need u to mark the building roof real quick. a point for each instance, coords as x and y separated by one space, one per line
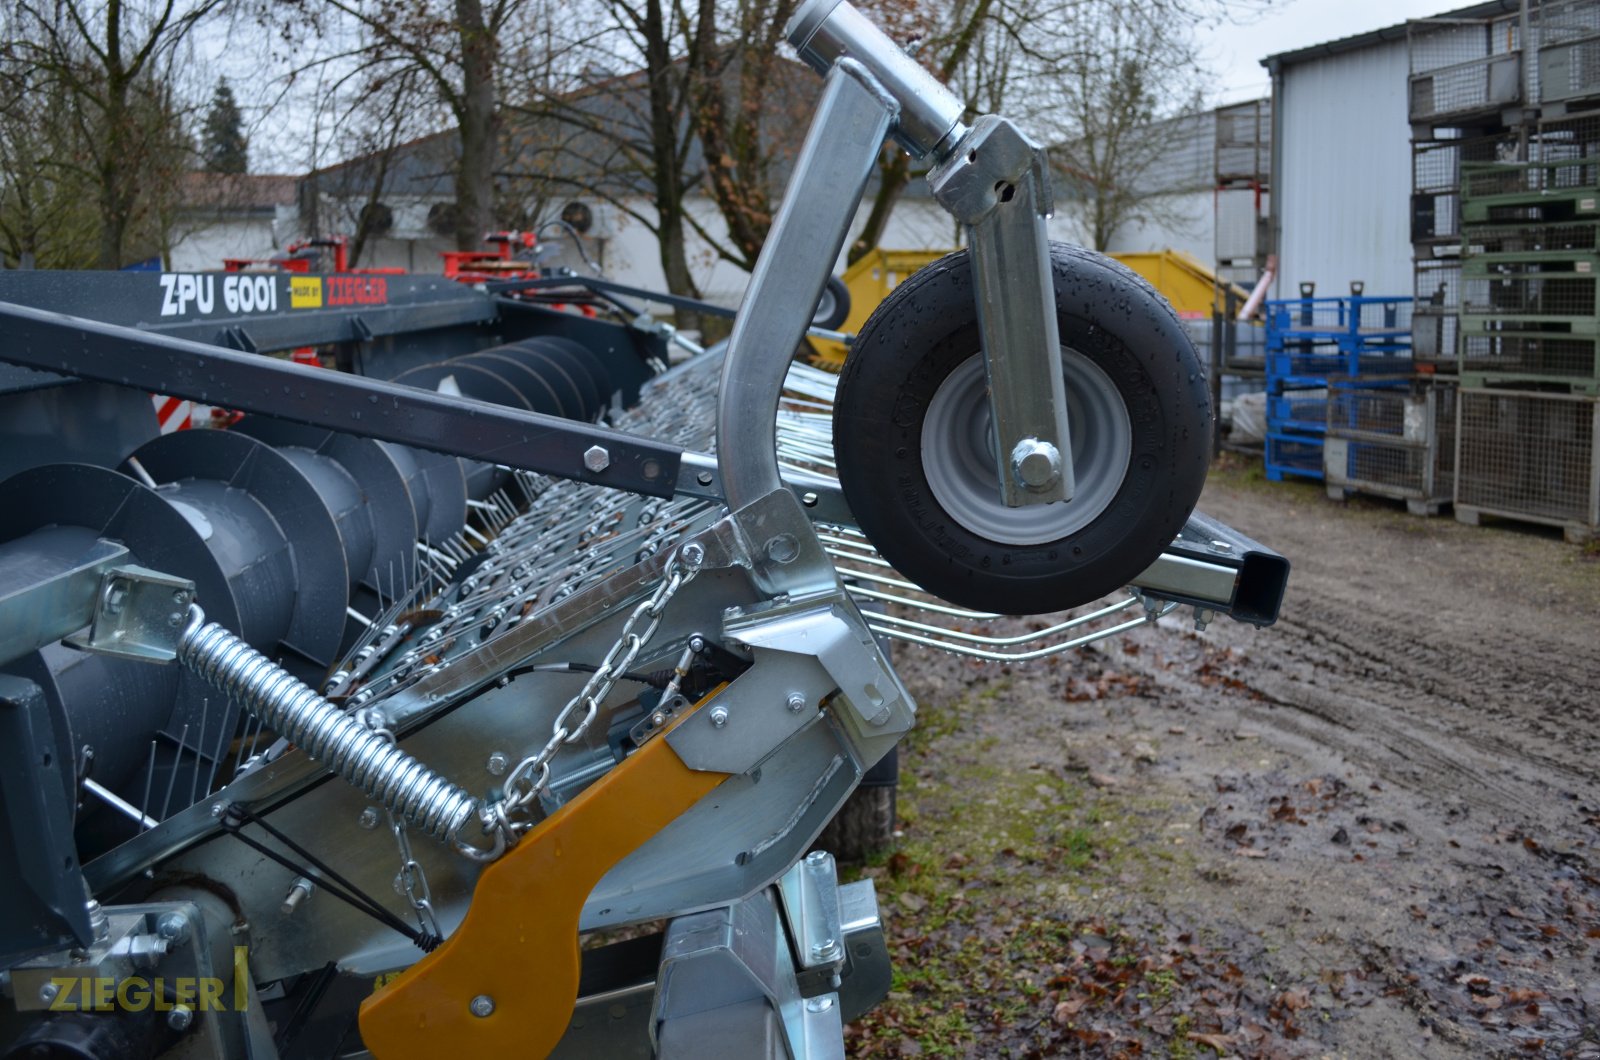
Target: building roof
237 192
594 139
1384 35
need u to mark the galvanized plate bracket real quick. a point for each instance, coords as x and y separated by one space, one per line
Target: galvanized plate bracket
995 183
139 613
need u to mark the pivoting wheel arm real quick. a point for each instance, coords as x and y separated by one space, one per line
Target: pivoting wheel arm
993 180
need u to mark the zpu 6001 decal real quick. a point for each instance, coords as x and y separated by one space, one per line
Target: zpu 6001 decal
184 293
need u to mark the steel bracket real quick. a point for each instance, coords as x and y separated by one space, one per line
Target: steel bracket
138 614
727 987
995 182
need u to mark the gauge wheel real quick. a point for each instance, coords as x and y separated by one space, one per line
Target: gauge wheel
916 452
833 308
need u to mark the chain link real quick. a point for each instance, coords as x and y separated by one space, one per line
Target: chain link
531 777
412 879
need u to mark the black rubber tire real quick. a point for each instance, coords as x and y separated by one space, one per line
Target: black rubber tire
925 329
834 307
863 826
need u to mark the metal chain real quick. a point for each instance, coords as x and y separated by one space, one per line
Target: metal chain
412 878
531 777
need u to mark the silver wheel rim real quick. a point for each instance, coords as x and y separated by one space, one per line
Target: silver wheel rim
958 454
825 306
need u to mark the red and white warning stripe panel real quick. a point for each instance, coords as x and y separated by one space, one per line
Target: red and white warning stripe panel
173 414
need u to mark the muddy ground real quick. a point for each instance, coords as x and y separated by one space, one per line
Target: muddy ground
1372 830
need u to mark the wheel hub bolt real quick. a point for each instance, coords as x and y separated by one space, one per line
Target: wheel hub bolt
1036 464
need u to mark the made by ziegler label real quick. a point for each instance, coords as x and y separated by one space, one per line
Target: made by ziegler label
357 290
305 292
184 293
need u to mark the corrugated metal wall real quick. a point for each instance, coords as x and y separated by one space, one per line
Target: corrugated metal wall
1344 177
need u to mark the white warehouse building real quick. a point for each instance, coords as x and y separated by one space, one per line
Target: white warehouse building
1343 136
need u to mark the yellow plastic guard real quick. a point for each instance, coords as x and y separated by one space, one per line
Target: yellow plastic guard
518 945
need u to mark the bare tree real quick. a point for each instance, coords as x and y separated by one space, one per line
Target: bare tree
746 102
457 46
1141 70
112 66
612 120
47 201
367 130
1047 64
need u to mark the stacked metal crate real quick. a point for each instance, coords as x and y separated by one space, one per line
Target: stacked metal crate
1392 438
1466 77
1310 342
1530 337
1467 88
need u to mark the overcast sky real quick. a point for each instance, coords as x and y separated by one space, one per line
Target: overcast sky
1235 51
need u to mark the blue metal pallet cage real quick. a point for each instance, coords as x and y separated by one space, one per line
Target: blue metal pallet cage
1311 340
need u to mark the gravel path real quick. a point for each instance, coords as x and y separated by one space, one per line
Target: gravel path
1368 831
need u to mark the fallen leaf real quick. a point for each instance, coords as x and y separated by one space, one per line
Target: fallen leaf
1067 1010
1294 1000
1220 1042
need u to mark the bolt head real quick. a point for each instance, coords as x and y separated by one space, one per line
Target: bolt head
719 716
818 858
596 459
825 950
821 1003
48 992
180 1018
1036 464
369 818
693 554
796 702
173 927
497 764
218 809
783 548
482 1005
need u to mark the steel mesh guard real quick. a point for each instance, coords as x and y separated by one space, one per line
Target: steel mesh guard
1529 454
1566 356
1397 442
